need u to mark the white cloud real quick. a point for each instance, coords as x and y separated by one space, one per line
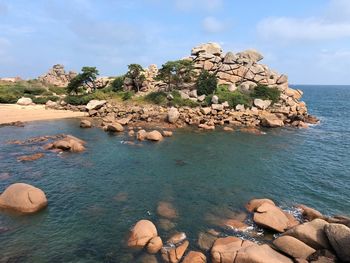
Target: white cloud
288 29
188 5
333 23
212 25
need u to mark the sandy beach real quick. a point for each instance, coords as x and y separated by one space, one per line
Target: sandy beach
12 112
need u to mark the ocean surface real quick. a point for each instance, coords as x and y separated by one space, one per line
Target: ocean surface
95 197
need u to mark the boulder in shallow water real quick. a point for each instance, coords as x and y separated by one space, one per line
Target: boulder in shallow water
69 143
154 245
141 234
141 135
293 247
271 217
310 213
29 158
24 198
85 124
174 254
166 210
339 237
260 254
195 257
115 127
154 136
255 203
311 233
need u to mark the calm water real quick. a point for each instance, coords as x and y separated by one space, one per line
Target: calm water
96 196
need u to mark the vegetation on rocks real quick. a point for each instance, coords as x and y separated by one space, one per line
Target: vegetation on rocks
266 93
176 73
117 83
135 75
232 97
206 83
83 80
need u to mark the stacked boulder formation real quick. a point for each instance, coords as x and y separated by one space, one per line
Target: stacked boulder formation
57 76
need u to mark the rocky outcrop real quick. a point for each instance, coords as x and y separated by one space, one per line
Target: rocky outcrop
141 234
23 198
57 76
195 257
260 254
225 249
339 238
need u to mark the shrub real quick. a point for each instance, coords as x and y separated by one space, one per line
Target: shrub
158 97
206 83
43 100
84 99
9 98
57 90
266 93
34 90
233 98
127 95
178 101
117 83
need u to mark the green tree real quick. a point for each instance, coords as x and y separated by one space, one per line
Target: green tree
206 83
117 83
84 79
175 73
135 74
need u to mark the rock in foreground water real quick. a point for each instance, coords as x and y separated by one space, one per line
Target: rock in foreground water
141 234
23 198
68 143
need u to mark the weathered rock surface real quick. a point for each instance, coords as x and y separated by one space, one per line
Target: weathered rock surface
293 247
85 124
173 115
253 204
339 238
272 217
271 121
174 253
225 249
262 104
154 136
57 76
310 213
260 254
195 257
24 101
95 104
311 233
115 127
23 198
141 234
154 245
68 143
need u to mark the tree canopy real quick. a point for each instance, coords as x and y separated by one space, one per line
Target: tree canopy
206 83
85 79
135 74
175 73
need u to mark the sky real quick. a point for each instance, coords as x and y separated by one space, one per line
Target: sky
309 40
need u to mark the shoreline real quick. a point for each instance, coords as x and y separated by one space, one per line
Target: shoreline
11 113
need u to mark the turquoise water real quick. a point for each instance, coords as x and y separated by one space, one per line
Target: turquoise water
94 197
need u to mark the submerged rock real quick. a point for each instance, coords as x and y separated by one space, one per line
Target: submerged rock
85 124
23 198
166 210
29 158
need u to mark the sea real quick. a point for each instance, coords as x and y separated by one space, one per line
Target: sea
95 197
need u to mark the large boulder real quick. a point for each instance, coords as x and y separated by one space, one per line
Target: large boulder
57 76
195 257
115 127
208 48
95 104
173 115
293 247
311 233
260 254
85 124
24 198
271 121
262 104
24 101
339 237
141 234
69 143
225 249
154 245
253 204
271 217
310 213
154 136
250 54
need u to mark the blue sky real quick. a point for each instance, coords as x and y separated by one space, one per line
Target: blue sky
308 40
